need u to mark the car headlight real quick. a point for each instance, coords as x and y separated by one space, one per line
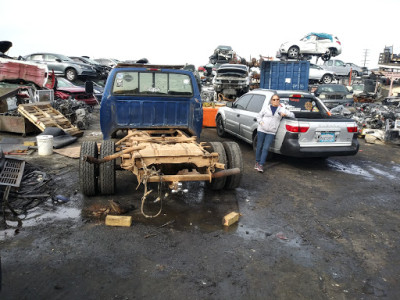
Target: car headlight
322 96
349 96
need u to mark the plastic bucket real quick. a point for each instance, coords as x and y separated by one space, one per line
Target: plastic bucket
45 144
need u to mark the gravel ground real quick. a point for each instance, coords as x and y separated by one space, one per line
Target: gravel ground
309 229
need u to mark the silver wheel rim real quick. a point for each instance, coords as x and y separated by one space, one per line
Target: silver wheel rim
293 52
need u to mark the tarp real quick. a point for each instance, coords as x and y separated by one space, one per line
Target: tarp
321 35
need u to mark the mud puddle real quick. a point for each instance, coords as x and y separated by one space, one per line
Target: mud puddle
367 169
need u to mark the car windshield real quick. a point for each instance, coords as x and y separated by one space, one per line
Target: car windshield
358 87
91 61
332 88
152 83
226 48
62 82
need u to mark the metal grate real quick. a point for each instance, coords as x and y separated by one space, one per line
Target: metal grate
12 172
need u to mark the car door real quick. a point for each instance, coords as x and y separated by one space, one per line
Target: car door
309 44
53 64
248 118
340 68
233 116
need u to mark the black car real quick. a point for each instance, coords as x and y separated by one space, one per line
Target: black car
102 70
333 95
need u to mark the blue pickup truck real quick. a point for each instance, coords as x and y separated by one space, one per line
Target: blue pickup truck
159 111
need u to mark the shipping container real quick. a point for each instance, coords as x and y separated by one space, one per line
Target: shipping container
285 75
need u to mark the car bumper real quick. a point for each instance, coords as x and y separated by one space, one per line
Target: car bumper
291 147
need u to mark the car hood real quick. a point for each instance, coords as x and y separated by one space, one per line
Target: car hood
232 72
72 89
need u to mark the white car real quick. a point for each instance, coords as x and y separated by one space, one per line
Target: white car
319 75
322 45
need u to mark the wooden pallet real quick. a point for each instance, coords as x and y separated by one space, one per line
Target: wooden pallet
43 115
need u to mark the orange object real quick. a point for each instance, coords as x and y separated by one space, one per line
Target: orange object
209 114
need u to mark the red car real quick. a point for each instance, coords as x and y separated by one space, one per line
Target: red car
64 89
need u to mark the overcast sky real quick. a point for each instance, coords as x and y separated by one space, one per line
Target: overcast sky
184 31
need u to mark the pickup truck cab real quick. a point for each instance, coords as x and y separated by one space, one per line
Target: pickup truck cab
313 132
138 96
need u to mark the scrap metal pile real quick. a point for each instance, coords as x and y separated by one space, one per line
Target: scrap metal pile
78 112
18 197
378 119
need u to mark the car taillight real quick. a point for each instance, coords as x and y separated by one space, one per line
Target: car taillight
298 128
352 128
338 42
153 69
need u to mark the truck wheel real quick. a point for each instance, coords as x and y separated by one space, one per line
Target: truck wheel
220 127
327 78
107 169
218 183
87 171
293 52
235 160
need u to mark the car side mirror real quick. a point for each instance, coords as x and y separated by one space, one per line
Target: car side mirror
229 104
89 87
58 60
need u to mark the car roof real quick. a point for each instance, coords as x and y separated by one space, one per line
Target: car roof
224 47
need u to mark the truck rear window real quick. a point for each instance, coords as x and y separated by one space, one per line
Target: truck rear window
152 83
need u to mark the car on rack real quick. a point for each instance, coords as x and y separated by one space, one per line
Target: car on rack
102 70
341 68
110 62
313 132
63 65
322 45
333 95
231 80
222 54
319 75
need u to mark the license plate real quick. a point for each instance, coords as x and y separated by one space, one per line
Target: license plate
326 137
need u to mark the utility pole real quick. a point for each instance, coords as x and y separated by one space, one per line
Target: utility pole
365 57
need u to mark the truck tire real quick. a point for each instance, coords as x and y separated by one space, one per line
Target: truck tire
235 160
107 169
87 171
217 183
220 127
